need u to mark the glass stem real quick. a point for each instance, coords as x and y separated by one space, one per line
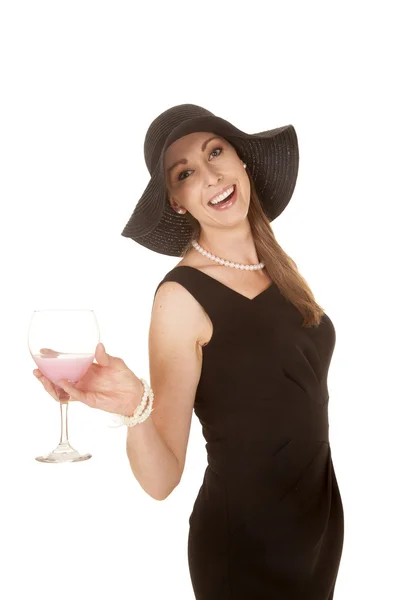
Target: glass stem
64 422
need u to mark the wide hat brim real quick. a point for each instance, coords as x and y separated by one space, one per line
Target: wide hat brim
272 159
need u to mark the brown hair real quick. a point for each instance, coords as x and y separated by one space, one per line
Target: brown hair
281 268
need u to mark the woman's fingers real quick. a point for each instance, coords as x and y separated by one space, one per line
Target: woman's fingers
62 395
75 394
54 390
48 386
49 353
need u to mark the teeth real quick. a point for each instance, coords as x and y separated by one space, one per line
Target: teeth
222 196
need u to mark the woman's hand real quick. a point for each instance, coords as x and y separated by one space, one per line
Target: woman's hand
109 385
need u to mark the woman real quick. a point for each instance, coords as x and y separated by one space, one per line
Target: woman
237 336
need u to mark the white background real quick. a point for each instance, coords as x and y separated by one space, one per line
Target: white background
80 83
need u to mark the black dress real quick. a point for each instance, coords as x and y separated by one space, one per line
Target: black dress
268 521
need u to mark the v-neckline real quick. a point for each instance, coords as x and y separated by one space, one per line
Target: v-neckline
271 285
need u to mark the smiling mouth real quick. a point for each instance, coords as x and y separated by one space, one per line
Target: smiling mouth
225 200
227 203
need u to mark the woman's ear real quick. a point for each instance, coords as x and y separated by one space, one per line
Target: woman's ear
176 207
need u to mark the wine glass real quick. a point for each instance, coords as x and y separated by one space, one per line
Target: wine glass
62 342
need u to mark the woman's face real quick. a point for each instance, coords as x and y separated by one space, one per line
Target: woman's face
206 167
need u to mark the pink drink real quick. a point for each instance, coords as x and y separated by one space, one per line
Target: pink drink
63 366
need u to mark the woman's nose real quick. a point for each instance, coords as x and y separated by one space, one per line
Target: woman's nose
212 178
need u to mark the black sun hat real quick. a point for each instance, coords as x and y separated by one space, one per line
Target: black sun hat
272 158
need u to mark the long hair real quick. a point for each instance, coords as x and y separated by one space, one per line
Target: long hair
281 268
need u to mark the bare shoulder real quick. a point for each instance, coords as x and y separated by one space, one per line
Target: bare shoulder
175 303
175 307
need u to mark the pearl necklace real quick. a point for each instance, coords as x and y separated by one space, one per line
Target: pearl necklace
226 263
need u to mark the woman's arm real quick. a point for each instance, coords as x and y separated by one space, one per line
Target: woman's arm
157 447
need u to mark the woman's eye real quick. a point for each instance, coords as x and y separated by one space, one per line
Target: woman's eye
216 149
183 172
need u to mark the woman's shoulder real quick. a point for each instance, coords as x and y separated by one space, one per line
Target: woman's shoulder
174 302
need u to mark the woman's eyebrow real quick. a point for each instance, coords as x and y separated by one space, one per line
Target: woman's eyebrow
184 161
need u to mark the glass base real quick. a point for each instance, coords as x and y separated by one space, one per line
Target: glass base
62 454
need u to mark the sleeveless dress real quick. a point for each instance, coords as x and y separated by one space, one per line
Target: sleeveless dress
268 521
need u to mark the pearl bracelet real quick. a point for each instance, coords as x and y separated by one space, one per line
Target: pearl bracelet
141 411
